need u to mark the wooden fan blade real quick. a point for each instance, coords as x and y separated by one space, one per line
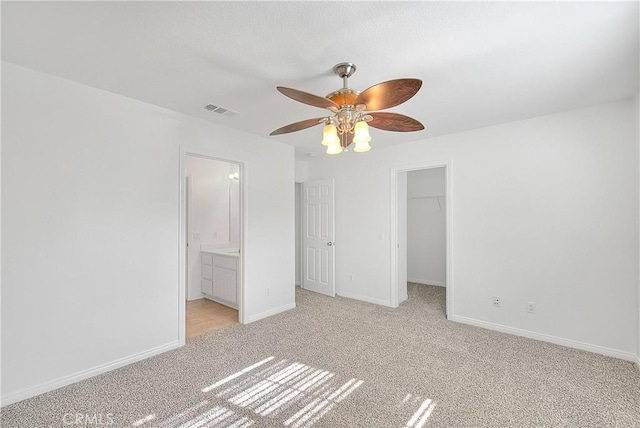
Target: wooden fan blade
298 126
306 98
388 94
394 122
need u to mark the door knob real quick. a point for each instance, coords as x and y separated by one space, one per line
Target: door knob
330 244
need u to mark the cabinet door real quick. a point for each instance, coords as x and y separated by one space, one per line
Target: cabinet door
206 286
231 288
207 272
225 284
218 282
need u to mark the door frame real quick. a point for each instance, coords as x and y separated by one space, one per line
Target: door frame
185 151
299 234
393 233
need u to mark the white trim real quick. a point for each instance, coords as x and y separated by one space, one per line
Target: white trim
615 353
85 374
270 312
427 282
393 232
298 281
221 301
365 299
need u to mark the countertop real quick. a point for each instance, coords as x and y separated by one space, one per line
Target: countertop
229 252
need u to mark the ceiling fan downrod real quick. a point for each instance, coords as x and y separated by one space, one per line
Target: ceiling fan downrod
344 70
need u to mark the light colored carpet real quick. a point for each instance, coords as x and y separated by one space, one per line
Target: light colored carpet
344 363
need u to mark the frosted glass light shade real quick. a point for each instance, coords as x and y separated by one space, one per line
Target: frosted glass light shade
330 135
362 146
334 149
361 134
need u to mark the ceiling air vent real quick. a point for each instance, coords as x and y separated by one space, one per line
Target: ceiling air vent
221 110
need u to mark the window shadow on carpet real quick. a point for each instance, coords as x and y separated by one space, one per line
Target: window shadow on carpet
281 392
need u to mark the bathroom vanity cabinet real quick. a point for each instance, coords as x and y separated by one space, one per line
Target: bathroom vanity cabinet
220 276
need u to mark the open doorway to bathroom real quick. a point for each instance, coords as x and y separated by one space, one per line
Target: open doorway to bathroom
212 283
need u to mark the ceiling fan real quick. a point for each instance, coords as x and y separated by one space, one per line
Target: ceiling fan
353 111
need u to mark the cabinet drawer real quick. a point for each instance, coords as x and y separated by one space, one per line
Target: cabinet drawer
225 262
206 286
207 259
207 272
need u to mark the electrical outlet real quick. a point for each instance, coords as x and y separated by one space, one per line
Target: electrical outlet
268 292
353 277
496 301
531 307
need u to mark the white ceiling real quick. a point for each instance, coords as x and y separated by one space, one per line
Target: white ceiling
481 63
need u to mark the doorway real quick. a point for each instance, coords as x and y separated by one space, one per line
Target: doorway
421 230
211 243
426 233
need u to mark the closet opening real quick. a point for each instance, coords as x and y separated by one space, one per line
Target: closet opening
421 229
426 236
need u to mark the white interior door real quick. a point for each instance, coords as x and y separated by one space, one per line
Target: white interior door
402 236
318 236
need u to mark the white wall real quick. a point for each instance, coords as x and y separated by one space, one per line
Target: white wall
543 210
301 171
209 199
426 244
234 207
214 212
90 193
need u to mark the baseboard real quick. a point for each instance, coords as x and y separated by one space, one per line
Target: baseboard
221 301
597 349
299 283
270 312
427 282
364 298
200 296
85 374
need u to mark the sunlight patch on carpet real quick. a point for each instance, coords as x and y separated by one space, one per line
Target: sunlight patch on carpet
284 392
287 392
421 415
143 421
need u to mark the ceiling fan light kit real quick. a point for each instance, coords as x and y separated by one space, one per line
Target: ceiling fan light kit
350 121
